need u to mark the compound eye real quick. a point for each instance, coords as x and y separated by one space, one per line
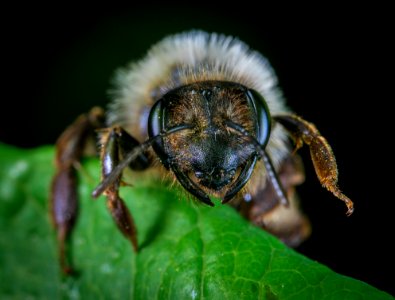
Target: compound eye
199 174
261 109
155 127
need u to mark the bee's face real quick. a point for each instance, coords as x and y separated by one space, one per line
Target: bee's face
209 155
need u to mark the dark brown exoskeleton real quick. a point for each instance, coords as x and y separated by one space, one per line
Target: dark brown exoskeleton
211 135
209 109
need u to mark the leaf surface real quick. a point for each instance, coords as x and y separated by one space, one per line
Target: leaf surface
187 251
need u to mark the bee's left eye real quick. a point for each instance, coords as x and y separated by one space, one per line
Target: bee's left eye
199 174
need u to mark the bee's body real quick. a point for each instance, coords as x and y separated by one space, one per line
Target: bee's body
205 110
189 58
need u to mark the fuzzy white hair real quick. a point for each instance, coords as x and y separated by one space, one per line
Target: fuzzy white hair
191 57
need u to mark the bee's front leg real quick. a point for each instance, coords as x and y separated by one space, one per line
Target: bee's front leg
264 208
321 153
116 143
64 203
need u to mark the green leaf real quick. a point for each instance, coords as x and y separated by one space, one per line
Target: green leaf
186 251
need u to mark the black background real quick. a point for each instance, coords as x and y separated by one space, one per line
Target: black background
332 64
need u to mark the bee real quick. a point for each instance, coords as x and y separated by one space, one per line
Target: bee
205 110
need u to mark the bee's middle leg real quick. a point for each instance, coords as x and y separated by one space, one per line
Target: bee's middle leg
70 147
